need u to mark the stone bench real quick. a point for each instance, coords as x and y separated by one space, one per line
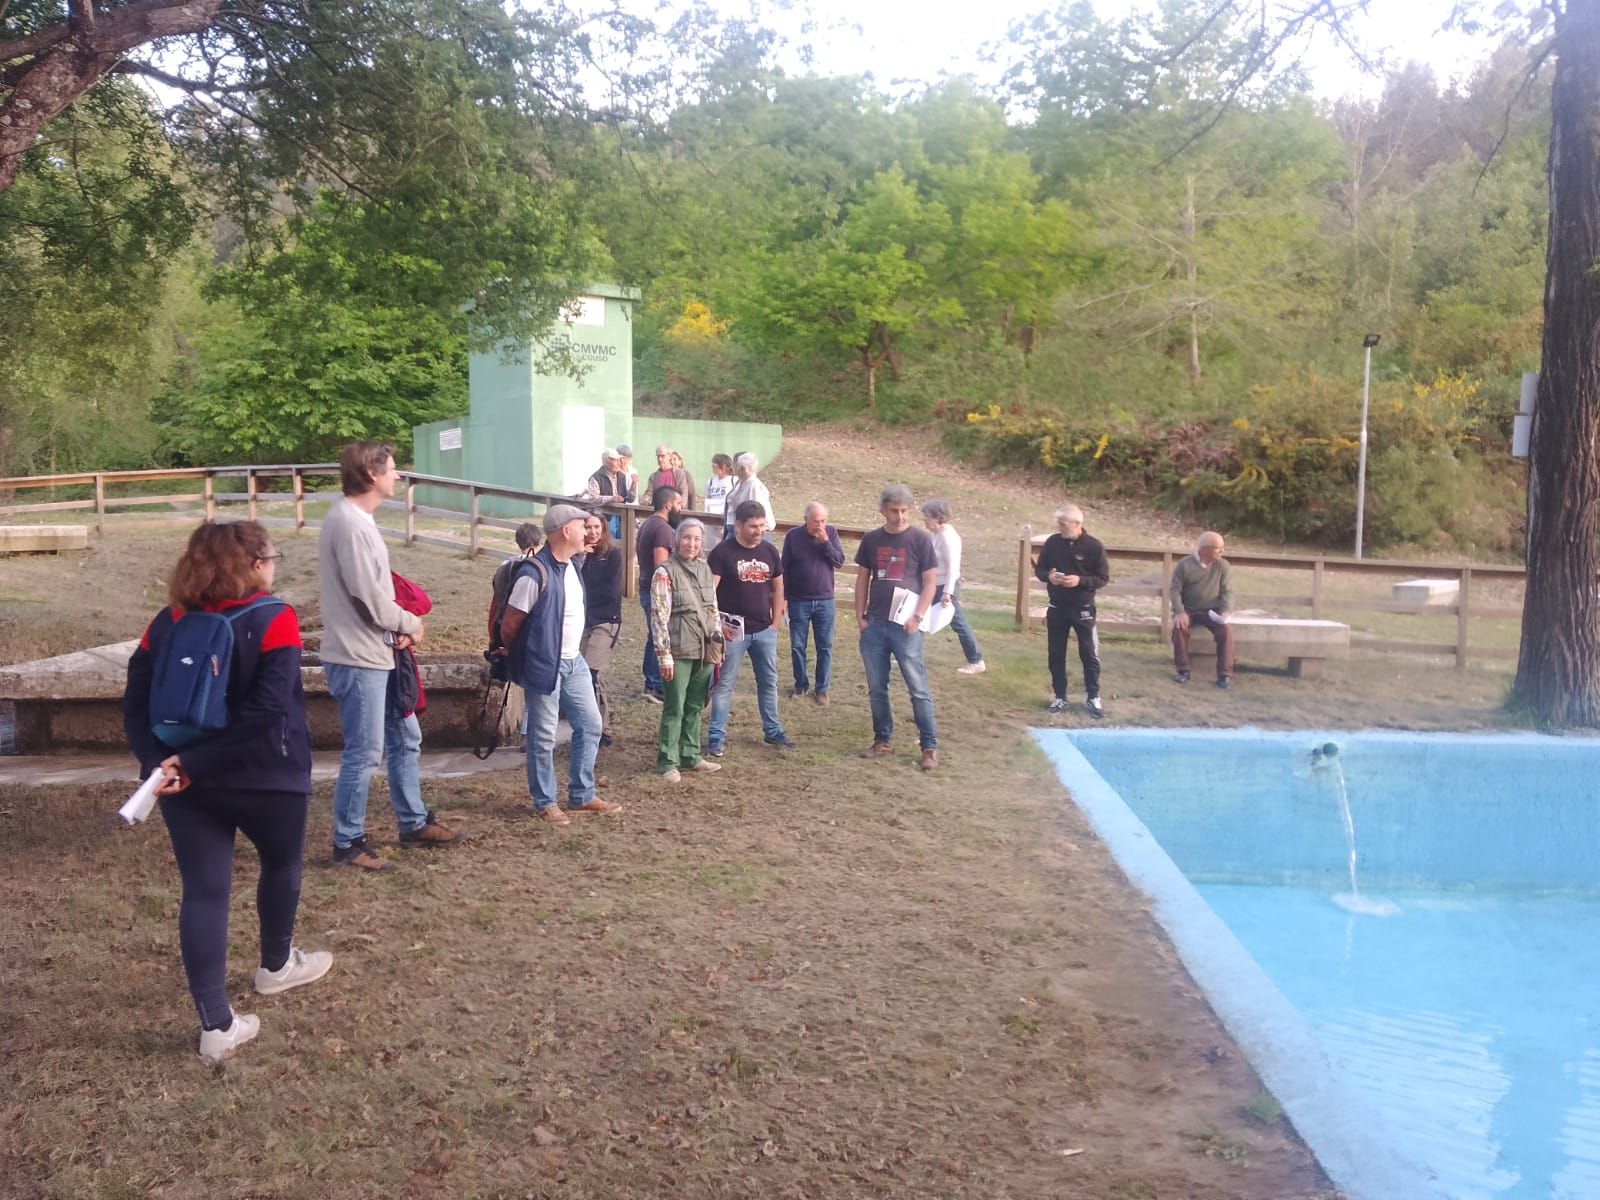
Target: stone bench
42 539
1305 643
1423 592
74 701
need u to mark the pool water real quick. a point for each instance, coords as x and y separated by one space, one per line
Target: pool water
1451 1049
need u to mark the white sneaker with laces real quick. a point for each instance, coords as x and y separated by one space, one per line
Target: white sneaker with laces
218 1044
976 668
301 968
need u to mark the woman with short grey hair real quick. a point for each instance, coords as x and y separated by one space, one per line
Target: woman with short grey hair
947 543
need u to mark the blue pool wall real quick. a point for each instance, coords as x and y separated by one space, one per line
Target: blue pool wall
1340 1127
1433 811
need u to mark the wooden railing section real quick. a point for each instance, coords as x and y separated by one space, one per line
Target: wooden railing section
1320 597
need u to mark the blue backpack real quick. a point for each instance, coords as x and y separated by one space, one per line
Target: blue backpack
193 666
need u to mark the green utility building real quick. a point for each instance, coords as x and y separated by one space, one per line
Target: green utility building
541 432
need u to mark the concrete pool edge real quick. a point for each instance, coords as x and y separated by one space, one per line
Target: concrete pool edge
1279 1043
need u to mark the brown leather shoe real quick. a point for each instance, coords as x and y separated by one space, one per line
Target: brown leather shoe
930 759
595 806
551 816
432 835
878 750
821 698
357 855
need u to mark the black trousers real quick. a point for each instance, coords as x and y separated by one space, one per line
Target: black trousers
1079 619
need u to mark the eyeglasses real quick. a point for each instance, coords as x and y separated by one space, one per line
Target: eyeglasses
268 558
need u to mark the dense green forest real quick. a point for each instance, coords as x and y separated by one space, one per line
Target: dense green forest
1118 264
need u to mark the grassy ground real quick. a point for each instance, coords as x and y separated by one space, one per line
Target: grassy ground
809 976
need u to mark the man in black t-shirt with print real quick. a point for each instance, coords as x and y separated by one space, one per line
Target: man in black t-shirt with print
654 546
749 575
892 558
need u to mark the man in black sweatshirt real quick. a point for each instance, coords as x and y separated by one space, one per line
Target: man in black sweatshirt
1073 565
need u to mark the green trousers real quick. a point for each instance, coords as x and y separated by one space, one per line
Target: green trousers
685 699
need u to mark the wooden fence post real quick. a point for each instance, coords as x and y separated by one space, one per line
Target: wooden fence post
99 504
299 499
630 557
250 489
1024 561
1166 586
1316 589
210 493
411 512
1463 601
472 531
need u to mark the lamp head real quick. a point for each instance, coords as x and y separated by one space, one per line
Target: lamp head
1370 340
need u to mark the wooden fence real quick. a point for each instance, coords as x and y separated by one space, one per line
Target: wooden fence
102 498
1315 591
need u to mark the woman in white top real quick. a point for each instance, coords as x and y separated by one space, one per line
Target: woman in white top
947 544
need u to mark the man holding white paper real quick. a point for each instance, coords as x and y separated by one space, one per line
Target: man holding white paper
1201 594
896 557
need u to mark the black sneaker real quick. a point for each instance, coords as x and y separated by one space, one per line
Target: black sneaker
358 855
1181 677
655 697
713 751
782 742
1058 705
605 740
1096 709
1225 684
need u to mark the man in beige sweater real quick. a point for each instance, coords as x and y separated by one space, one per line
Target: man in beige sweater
1201 594
362 626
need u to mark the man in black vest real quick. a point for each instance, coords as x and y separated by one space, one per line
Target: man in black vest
543 625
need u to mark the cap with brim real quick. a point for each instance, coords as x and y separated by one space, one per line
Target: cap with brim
558 515
610 456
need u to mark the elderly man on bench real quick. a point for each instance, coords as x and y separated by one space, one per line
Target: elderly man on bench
1201 594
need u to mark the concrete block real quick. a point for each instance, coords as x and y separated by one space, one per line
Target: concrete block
1422 592
42 539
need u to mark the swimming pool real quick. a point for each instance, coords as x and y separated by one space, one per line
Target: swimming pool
1451 1049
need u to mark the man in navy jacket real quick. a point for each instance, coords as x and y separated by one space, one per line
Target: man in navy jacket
543 626
1073 565
811 555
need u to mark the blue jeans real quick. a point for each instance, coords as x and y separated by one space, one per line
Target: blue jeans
574 699
652 667
763 650
804 616
880 641
373 733
958 622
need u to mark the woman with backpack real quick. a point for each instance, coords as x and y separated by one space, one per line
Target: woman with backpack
251 775
602 590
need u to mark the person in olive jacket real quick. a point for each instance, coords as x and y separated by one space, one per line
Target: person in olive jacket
1073 566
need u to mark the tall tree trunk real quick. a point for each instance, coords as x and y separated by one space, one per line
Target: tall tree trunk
1558 666
1189 228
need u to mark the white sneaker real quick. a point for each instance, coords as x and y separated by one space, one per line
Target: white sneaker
1096 709
672 776
218 1044
301 968
705 764
976 668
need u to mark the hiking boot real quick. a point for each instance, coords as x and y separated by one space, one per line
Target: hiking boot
672 776
878 750
218 1044
782 742
976 668
551 815
431 834
821 698
930 759
1058 705
358 854
597 806
1181 677
299 968
1225 684
705 764
1096 709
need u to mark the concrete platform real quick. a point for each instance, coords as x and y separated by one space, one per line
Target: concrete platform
1304 643
1423 592
42 539
74 701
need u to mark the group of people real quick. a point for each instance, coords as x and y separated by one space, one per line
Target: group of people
554 622
616 482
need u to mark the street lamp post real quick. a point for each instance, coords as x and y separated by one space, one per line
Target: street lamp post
1368 343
